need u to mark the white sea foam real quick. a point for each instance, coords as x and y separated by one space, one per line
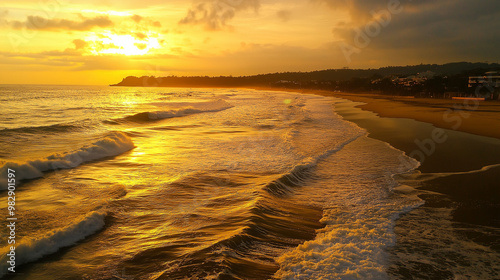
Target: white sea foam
352 245
30 250
360 206
112 145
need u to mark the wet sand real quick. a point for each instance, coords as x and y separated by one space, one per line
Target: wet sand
452 167
476 117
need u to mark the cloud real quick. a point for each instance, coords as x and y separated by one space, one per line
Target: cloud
65 58
215 14
140 46
137 18
140 35
284 15
41 23
145 21
428 30
73 60
3 15
79 44
253 58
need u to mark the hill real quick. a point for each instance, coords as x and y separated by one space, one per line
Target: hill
430 79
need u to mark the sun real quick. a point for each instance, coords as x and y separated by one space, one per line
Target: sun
135 43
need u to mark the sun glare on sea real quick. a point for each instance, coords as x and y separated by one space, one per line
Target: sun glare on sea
125 44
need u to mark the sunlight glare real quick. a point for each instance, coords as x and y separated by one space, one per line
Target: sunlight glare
126 44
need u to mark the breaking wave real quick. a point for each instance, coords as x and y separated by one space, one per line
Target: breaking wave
114 144
180 110
301 172
32 250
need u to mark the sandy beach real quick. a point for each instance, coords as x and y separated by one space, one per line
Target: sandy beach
476 117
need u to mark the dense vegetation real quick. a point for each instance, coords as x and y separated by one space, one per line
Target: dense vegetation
418 80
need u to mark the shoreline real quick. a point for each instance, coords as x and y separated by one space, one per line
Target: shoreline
461 199
454 167
475 117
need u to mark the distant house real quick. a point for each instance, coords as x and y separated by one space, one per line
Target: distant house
487 85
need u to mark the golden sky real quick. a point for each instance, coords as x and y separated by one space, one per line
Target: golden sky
101 42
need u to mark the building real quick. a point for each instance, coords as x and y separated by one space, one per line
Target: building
487 86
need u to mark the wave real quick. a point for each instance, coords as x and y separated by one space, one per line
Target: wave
32 250
270 228
39 129
301 172
180 110
114 144
361 204
296 177
262 228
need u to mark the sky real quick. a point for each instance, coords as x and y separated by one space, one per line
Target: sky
99 42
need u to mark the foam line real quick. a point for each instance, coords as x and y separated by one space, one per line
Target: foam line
32 250
112 145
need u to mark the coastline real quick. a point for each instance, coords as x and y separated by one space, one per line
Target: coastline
476 117
463 167
458 181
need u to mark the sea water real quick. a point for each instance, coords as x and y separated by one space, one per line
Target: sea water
176 183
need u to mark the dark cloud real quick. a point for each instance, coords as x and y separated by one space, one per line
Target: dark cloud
362 9
41 23
215 14
430 30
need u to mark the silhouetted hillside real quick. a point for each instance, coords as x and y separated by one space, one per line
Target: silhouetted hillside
424 79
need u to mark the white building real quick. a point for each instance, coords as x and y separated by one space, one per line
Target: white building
487 86
490 79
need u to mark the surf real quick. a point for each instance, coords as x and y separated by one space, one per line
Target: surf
178 109
113 144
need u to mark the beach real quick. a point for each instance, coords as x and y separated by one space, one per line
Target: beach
476 117
458 147
458 178
169 183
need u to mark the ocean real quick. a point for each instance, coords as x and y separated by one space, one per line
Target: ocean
178 183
